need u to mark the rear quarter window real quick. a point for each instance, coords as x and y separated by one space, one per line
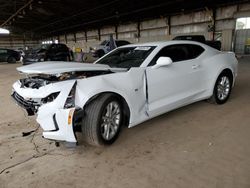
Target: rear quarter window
195 51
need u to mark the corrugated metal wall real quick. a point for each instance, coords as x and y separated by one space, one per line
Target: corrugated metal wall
166 28
16 43
226 40
241 37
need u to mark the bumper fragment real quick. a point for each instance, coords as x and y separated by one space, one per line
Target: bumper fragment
56 121
65 131
29 106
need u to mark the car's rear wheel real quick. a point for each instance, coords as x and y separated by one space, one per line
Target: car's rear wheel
222 88
102 120
11 59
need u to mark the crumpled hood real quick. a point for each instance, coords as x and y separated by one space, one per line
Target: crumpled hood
55 67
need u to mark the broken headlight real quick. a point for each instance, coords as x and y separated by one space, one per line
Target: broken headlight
70 101
50 98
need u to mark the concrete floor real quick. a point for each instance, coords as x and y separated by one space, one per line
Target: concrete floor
201 145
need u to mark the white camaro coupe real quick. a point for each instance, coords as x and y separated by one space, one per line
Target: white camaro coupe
128 86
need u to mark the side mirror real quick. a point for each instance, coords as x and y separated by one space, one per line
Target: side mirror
162 61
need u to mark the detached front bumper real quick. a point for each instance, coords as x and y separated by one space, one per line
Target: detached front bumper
63 124
56 121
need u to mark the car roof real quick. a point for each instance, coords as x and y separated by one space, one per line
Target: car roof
7 49
165 43
54 44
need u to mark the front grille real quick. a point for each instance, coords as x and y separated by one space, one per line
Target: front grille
24 103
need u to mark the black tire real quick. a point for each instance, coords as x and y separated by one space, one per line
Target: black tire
84 58
11 59
217 97
92 122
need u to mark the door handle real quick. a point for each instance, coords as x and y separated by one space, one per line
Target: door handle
195 66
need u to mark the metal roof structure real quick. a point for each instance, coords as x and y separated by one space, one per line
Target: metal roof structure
54 17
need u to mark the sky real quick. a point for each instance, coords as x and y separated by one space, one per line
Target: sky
246 21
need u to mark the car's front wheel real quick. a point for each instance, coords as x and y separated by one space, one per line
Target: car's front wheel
11 59
222 88
102 120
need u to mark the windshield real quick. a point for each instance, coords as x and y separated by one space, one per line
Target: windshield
42 47
103 43
127 57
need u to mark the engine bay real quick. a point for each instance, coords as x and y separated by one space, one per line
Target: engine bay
40 80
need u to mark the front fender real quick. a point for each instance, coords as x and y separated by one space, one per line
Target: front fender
129 85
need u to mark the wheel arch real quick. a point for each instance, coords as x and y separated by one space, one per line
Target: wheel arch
124 103
223 70
11 56
227 71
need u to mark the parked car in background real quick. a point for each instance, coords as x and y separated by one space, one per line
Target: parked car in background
21 51
200 38
128 86
47 52
104 47
8 55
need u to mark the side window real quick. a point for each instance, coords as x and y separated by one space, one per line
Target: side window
2 51
176 52
195 50
179 52
107 44
62 47
118 43
121 43
59 47
53 47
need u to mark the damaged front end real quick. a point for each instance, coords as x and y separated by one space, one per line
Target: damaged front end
52 99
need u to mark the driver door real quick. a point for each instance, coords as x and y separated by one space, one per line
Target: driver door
3 55
174 85
52 52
